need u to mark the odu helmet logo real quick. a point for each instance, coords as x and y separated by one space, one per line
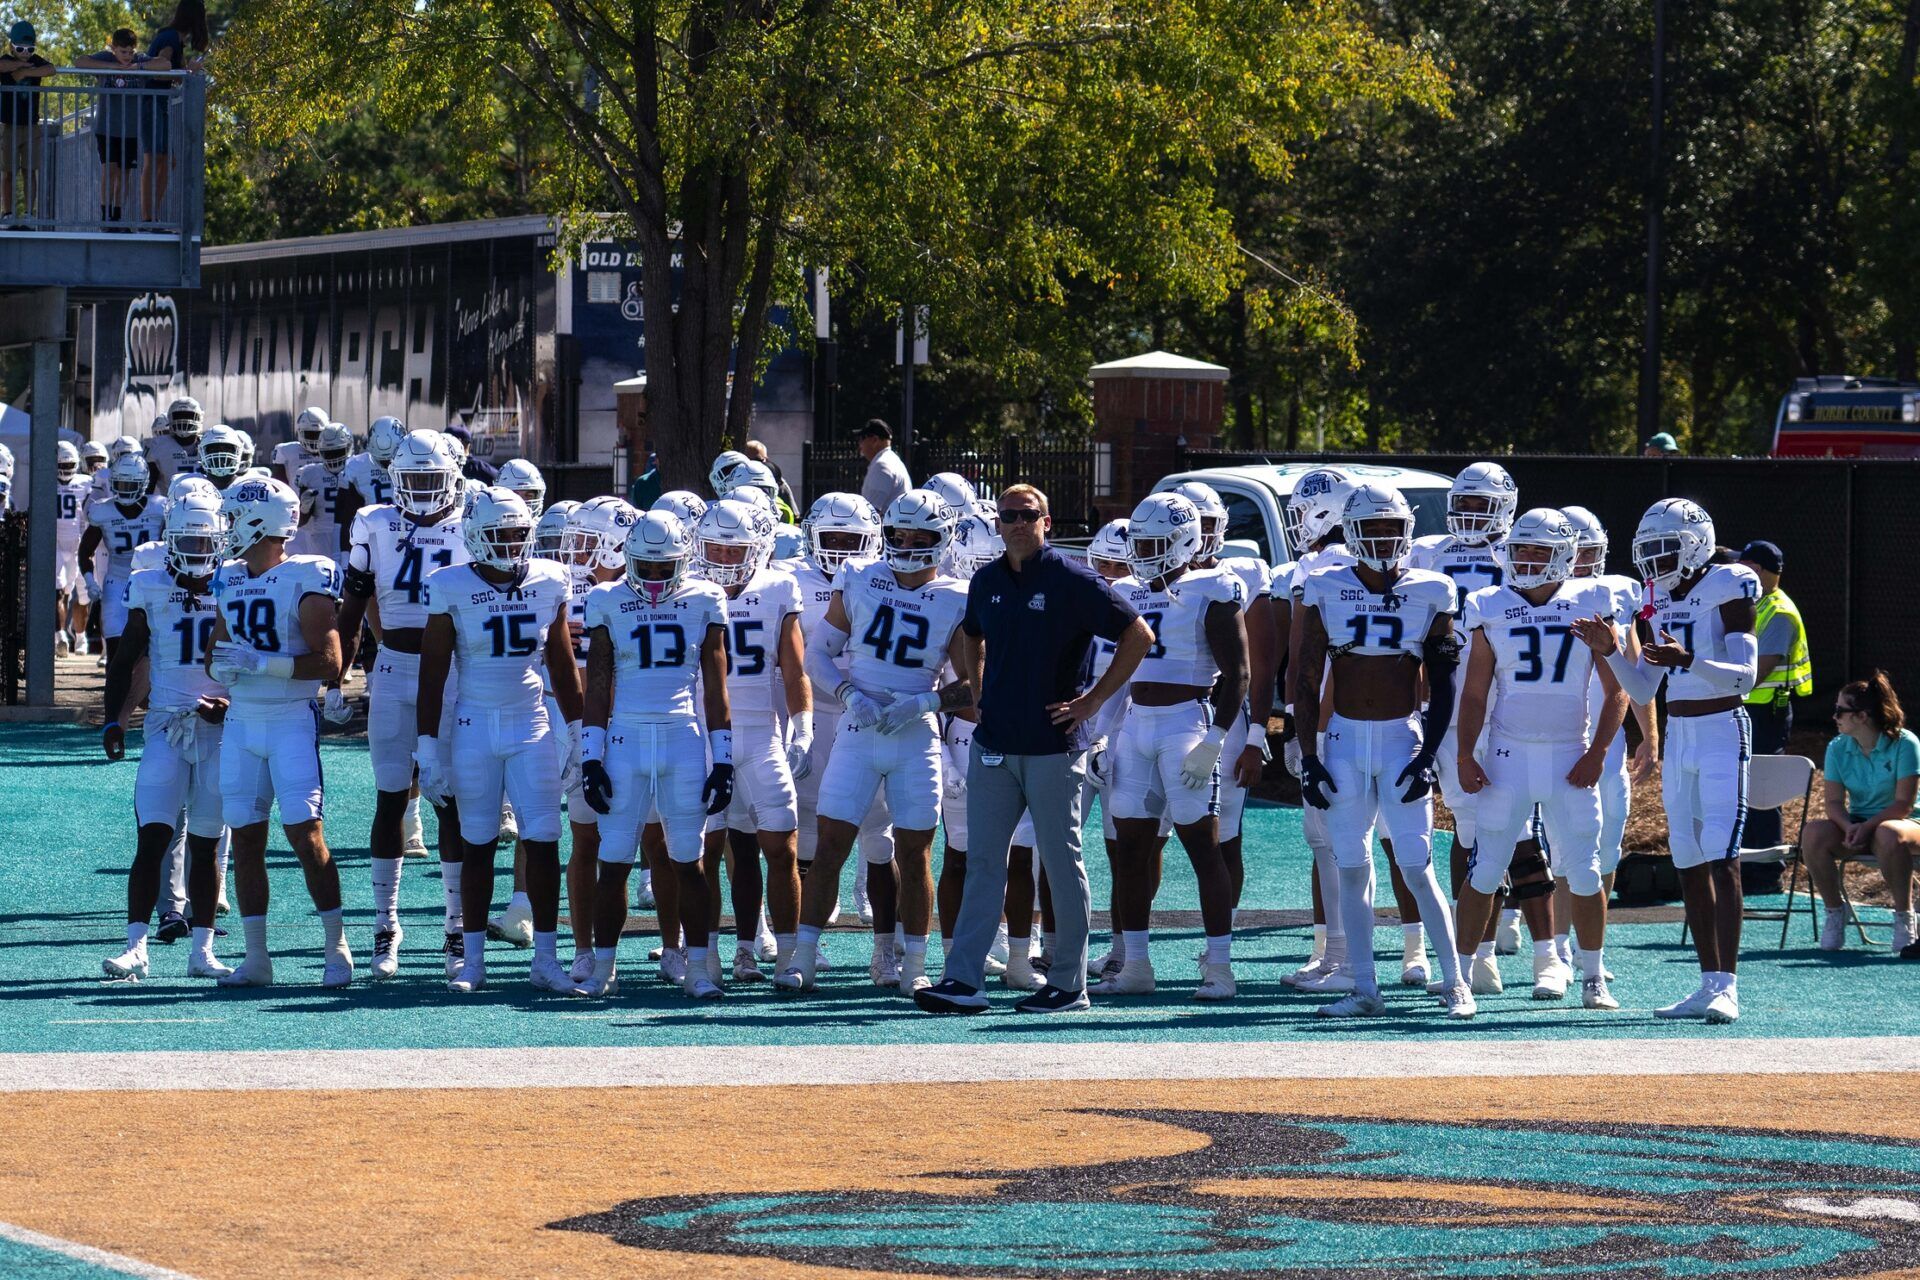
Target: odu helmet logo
1315 484
252 491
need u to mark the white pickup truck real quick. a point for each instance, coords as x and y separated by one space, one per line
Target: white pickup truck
1256 496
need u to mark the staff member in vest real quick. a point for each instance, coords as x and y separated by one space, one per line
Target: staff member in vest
1786 673
1036 614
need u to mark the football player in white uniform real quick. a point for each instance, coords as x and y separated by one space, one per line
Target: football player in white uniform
897 618
274 644
133 515
394 549
326 510
1540 749
1707 656
524 479
1246 750
500 618
222 455
1621 772
1186 694
175 447
652 636
720 474
170 620
842 528
365 477
291 456
70 495
1381 626
772 738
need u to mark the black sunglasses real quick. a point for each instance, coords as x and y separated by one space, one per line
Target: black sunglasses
1842 709
1025 515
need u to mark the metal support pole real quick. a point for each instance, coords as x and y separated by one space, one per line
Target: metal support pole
1656 196
909 331
43 444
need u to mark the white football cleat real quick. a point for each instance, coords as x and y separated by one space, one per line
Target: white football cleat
1833 928
471 978
514 926
1415 973
602 982
1506 937
1723 1008
1327 982
129 966
797 976
386 953
673 966
1460 1002
453 949
60 645
203 964
716 968
80 644
1019 975
339 969
746 964
509 824
765 946
999 953
581 968
1313 968
699 986
1694 1006
1594 994
643 894
547 975
833 916
250 974
1550 978
1355 1004
913 974
862 904
1216 983
884 968
1105 967
1134 979
1484 976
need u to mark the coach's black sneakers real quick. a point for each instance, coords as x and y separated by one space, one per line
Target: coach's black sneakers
950 995
1051 999
173 927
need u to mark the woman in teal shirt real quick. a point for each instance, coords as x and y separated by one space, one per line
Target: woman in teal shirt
1873 770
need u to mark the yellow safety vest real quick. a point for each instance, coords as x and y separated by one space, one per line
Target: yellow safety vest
1794 673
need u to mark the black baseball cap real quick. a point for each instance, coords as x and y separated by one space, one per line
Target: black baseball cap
1764 555
875 429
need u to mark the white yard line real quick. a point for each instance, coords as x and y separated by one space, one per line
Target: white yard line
88 1254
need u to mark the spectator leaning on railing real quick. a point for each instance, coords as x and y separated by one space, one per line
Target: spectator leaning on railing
1873 771
117 118
20 122
187 28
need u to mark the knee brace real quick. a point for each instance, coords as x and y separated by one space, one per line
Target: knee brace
1527 874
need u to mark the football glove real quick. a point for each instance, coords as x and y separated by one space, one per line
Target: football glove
335 707
434 783
1316 782
1197 766
1418 775
862 711
902 712
596 786
718 791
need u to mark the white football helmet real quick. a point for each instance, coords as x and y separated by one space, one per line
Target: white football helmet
196 536
1674 539
550 533
722 468
597 533
425 481
1315 507
752 495
246 448
1591 538
916 511
953 487
657 549
728 525
333 447
187 484
306 427
1163 535
455 448
6 461
159 426
1493 498
975 545
849 522
256 509
122 446
498 528
1548 529
1213 516
128 479
93 455
525 479
1374 503
685 503
1110 547
66 461
754 475
220 451
383 439
184 420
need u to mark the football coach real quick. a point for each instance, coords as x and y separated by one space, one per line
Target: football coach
1032 616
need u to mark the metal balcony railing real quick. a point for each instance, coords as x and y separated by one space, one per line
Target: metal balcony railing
104 153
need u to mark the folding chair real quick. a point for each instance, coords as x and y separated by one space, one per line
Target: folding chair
1773 782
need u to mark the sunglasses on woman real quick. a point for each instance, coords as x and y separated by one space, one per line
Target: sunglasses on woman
1842 709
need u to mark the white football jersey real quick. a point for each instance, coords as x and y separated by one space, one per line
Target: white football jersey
1627 596
1334 557
290 456
899 635
120 533
816 593
1542 670
1367 623
264 612
1694 622
499 633
754 619
172 458
149 555
179 633
1470 567
1280 584
97 490
656 647
70 502
1255 578
367 478
1177 612
322 492
400 555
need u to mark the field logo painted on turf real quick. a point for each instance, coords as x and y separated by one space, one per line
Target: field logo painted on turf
1308 1196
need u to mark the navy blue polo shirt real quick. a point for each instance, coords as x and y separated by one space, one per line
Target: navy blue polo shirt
1039 625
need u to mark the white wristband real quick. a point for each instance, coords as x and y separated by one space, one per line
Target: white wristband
279 666
803 727
1216 736
720 741
593 742
427 747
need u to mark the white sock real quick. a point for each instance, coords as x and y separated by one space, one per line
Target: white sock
1484 951
476 949
783 943
806 944
336 932
1718 982
202 941
1319 942
1220 949
1563 946
1546 949
137 936
1119 947
1136 940
450 897
386 893
1356 908
1335 954
1413 941
410 816
546 945
254 929
520 902
697 960
604 955
1593 963
1509 915
915 944
899 939
222 852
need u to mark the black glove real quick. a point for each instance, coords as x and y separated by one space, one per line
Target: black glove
1313 778
1419 775
718 793
596 786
